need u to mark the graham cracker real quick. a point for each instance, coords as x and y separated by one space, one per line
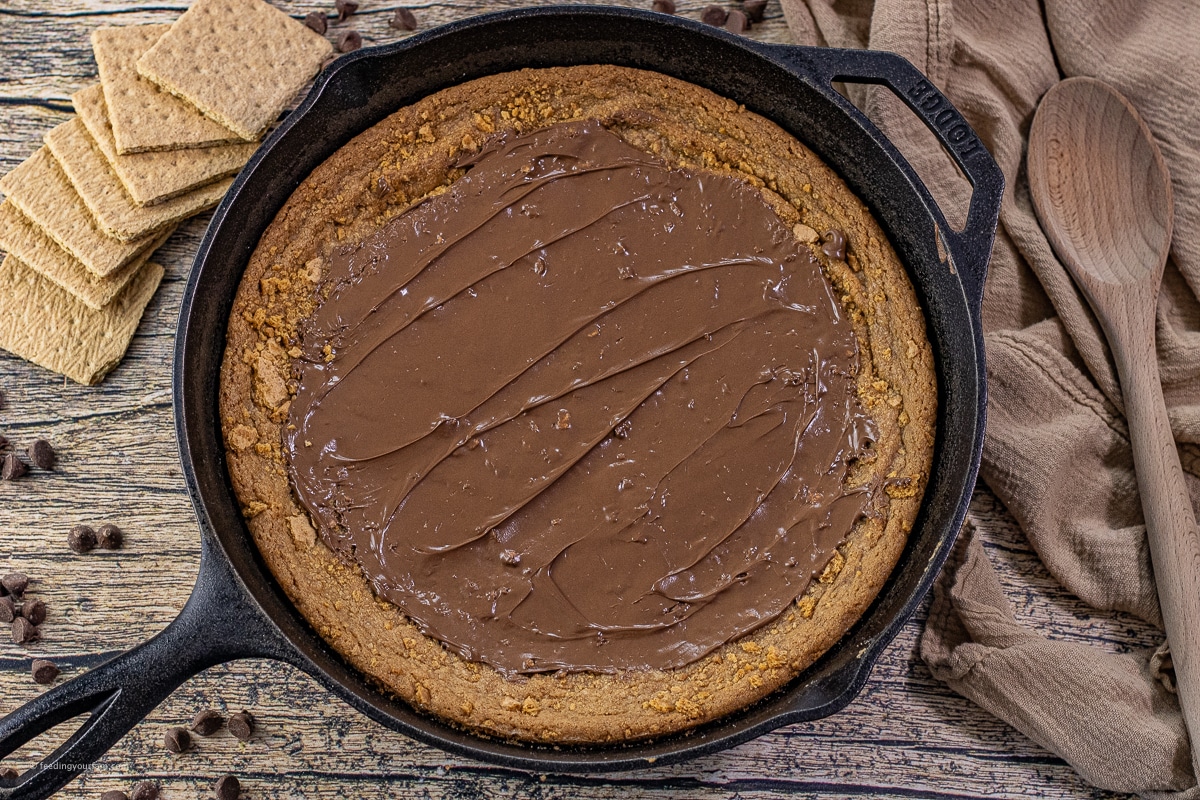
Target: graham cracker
153 177
143 116
238 61
26 241
44 323
44 194
96 182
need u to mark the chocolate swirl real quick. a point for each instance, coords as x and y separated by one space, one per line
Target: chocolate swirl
581 411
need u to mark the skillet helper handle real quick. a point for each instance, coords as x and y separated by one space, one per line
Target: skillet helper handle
969 249
217 624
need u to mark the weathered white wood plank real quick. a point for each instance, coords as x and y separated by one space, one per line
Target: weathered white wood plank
905 736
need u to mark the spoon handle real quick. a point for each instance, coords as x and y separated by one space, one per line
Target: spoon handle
1170 522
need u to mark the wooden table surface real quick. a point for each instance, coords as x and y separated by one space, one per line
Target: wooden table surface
905 736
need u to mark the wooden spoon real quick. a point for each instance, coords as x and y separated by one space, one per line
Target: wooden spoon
1103 195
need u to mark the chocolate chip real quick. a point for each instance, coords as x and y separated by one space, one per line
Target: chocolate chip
177 740
12 468
44 672
15 583
736 22
34 611
228 788
9 774
82 539
664 6
714 15
8 609
835 244
241 725
23 631
109 537
349 40
317 22
144 791
41 454
510 557
114 794
207 722
756 10
403 20
345 8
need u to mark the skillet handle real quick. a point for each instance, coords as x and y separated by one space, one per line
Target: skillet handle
219 623
969 249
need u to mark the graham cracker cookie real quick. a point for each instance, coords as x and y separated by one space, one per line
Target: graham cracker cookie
104 195
238 61
26 241
44 323
153 177
44 194
143 116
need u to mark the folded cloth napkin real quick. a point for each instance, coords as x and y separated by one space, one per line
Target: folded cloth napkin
1057 449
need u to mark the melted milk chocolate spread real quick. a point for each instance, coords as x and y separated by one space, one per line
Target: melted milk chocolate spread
582 411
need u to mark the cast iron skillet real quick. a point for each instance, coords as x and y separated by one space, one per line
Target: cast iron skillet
238 611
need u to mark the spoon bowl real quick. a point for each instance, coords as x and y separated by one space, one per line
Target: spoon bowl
1100 185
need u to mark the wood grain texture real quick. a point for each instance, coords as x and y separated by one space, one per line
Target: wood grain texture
906 736
1102 193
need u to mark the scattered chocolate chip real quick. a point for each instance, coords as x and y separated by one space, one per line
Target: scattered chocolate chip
510 557
23 631
144 791
349 40
241 725
44 672
229 788
207 722
15 583
8 609
9 774
109 537
736 22
403 20
317 22
835 244
41 454
664 6
714 15
34 611
114 794
12 468
177 740
345 9
82 539
755 10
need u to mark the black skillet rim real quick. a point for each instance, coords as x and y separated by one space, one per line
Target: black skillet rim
715 735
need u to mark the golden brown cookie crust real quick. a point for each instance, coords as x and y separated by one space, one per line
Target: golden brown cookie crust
411 154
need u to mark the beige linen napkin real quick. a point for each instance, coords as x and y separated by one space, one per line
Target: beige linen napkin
1057 449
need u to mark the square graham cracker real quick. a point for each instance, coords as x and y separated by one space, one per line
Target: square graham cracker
239 61
44 194
157 176
143 116
104 195
44 323
22 239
